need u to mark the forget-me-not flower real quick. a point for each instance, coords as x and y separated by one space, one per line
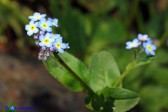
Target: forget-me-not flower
36 16
54 21
59 46
134 44
31 28
149 48
46 40
143 37
44 37
45 25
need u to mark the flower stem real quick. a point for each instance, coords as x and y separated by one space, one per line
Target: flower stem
73 73
124 74
134 53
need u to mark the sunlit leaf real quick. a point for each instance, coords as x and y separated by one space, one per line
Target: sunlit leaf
59 72
103 71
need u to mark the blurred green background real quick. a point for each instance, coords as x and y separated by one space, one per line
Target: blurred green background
94 25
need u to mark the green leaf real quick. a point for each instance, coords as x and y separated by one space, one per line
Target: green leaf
59 72
113 99
98 103
118 93
103 71
124 99
125 105
76 65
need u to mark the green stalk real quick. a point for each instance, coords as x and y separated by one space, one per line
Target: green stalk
124 74
73 73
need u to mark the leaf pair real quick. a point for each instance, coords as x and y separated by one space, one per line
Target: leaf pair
100 78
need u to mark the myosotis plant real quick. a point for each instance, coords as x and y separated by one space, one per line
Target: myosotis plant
44 36
101 81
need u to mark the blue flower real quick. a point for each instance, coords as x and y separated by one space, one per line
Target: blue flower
149 48
46 40
31 28
49 42
36 16
54 21
143 37
134 44
45 25
67 46
59 46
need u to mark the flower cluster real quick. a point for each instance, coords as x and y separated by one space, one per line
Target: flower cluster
41 28
145 42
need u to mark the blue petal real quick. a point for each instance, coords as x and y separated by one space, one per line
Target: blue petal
41 38
41 44
59 39
63 46
60 50
48 35
42 20
30 17
49 29
36 14
49 44
135 41
49 23
153 47
27 27
29 33
128 43
147 52
31 22
128 47
152 53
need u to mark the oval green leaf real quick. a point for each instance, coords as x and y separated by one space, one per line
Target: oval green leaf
103 71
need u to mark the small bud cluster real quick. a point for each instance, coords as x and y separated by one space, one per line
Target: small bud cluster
41 28
145 42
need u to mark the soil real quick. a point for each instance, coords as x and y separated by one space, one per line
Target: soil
25 82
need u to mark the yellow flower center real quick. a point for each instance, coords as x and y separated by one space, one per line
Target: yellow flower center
149 47
133 45
58 45
143 39
46 40
37 17
44 25
32 27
